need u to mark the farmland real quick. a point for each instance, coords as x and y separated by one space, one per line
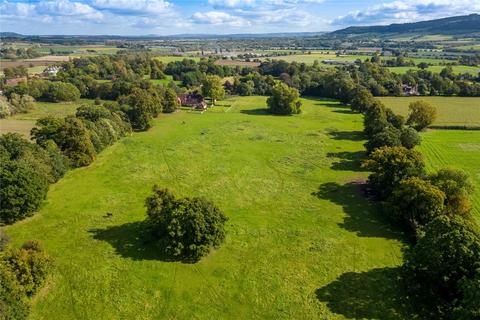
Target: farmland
451 111
458 149
23 122
302 242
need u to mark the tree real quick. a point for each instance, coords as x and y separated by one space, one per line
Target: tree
375 119
141 106
284 100
187 227
22 190
457 186
390 136
390 165
409 138
468 307
46 129
362 99
22 103
423 65
422 114
212 87
171 101
416 202
446 256
74 140
61 91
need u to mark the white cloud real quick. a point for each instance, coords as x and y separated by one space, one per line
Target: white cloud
408 11
219 18
148 7
231 3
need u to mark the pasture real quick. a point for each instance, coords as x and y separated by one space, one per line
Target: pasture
451 111
23 122
438 69
455 148
302 241
168 59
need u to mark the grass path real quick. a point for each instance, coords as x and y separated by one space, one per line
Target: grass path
302 242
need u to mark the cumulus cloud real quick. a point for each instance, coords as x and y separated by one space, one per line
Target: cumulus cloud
231 3
219 18
408 11
147 7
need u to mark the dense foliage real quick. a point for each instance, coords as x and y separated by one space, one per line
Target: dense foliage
187 227
284 100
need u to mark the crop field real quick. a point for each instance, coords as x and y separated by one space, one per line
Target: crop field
438 69
310 58
458 149
23 122
451 111
302 241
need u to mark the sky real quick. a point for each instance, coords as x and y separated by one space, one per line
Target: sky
169 17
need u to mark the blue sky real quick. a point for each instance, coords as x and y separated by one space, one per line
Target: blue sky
165 17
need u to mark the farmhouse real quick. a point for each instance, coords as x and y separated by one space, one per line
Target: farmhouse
193 100
51 71
408 90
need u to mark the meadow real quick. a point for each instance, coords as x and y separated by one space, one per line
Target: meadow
451 111
455 148
302 240
23 122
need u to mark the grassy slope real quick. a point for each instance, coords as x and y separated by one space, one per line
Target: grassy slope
302 243
450 110
23 122
458 149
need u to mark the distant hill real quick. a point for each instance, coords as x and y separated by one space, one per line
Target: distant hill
453 25
10 35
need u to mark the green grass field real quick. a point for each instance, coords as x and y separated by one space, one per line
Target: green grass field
451 111
458 149
438 69
168 59
23 122
302 242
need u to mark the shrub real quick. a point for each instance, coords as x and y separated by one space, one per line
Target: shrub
390 165
416 202
13 301
4 240
284 100
422 114
188 227
30 264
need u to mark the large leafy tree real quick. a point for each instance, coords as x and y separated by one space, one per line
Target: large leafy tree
416 202
171 101
390 165
422 114
188 227
284 100
212 87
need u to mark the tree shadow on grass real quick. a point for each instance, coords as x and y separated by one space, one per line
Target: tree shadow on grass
362 217
348 161
261 112
344 111
346 135
374 294
133 240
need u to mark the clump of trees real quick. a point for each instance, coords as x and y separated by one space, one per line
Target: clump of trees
23 272
187 228
284 100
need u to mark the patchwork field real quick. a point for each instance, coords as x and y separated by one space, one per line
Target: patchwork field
302 242
451 111
458 149
23 122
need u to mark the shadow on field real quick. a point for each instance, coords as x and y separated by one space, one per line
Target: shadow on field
347 135
374 294
362 217
344 111
256 112
348 161
132 240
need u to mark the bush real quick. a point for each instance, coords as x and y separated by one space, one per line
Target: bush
13 301
442 260
284 100
188 227
416 202
390 165
422 114
4 240
30 264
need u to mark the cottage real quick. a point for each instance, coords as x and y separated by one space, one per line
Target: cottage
193 100
408 90
15 81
